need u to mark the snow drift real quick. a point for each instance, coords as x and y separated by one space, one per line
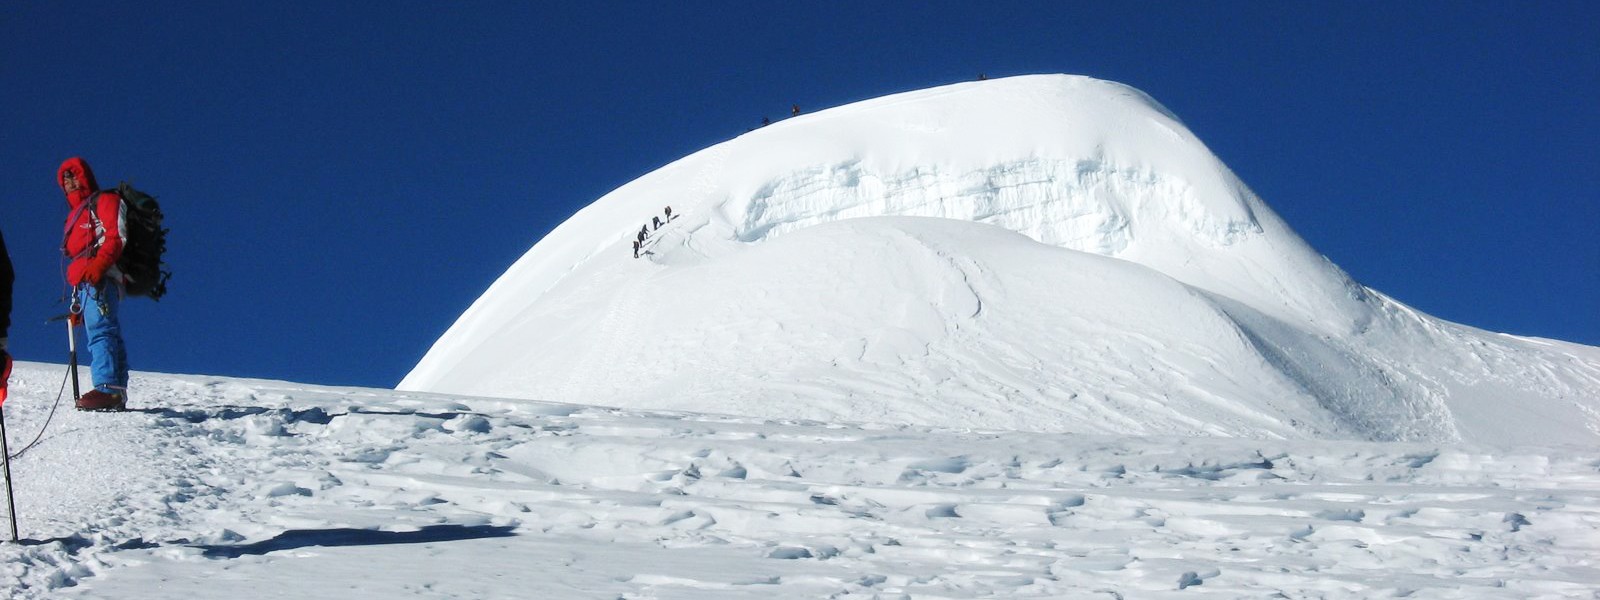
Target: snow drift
1083 263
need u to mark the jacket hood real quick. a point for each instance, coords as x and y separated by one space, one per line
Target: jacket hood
79 167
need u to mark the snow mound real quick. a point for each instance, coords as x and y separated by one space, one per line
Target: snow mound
1086 265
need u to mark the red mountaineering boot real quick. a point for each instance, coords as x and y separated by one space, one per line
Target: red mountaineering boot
101 401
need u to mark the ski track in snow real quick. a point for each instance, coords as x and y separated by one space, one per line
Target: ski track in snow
252 489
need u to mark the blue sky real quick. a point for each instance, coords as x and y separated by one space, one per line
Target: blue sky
343 179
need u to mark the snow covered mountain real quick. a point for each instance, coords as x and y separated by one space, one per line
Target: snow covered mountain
1042 253
904 304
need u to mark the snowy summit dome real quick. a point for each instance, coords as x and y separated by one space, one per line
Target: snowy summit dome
1046 253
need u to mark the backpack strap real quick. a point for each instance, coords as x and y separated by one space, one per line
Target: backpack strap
91 203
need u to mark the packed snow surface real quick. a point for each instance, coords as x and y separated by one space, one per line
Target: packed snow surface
1041 253
223 488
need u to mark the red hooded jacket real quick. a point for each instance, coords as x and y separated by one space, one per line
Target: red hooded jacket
93 235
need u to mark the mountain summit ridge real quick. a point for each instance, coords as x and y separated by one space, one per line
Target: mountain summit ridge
1253 333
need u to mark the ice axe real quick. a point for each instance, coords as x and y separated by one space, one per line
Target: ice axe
73 316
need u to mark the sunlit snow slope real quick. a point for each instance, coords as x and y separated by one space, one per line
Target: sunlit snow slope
1043 253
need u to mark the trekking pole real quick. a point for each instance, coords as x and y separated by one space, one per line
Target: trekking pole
5 450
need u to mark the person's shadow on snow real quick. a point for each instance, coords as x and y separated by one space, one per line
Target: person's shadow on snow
301 538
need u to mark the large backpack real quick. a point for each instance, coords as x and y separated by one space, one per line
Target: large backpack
143 271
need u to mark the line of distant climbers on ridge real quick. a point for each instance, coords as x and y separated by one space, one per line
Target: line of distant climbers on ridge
644 231
794 110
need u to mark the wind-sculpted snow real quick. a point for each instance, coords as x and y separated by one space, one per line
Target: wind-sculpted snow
1084 206
252 489
1083 264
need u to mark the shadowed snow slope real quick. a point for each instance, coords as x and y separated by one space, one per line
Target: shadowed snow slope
1044 253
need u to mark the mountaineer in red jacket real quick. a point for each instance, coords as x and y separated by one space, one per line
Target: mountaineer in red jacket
93 240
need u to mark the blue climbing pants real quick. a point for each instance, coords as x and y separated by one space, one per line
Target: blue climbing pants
108 359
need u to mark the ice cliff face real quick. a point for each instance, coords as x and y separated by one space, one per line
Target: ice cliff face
1088 266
